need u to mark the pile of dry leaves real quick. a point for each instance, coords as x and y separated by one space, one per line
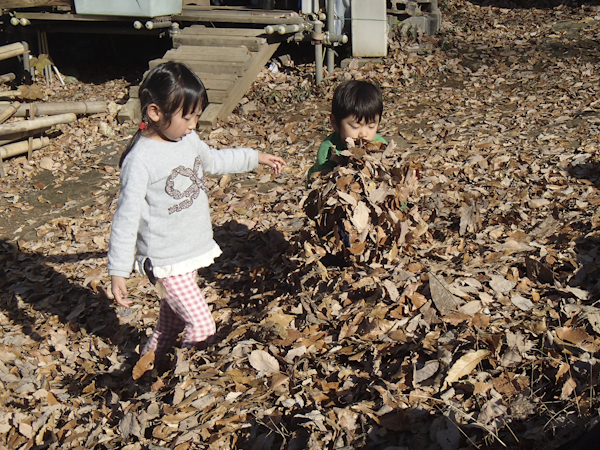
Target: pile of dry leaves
437 292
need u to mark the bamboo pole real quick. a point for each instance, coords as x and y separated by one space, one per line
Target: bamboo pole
7 139
32 124
10 94
18 148
48 109
11 50
8 112
7 77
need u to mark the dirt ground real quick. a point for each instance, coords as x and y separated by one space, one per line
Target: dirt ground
61 198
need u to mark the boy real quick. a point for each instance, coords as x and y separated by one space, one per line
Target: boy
355 112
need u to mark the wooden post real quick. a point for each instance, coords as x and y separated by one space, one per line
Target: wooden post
30 140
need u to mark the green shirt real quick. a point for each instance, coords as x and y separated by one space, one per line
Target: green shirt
325 152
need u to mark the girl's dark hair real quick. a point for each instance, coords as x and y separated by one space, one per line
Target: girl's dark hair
357 98
171 86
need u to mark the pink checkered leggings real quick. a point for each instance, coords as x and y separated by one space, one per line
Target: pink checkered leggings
183 307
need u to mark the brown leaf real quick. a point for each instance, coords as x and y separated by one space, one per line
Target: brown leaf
144 364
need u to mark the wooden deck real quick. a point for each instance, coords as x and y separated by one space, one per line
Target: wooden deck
226 59
226 46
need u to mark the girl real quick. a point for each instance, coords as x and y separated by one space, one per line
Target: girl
162 221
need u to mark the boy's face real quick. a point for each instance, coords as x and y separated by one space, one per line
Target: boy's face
351 127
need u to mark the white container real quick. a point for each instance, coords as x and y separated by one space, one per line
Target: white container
369 28
129 8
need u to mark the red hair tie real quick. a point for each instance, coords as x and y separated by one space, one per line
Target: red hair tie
143 126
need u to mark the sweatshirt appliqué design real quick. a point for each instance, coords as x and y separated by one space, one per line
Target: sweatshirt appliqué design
197 182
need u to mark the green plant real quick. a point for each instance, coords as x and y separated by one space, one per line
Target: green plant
272 97
300 94
40 62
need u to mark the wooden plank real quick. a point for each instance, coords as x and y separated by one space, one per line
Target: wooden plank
243 84
200 53
207 66
201 3
209 31
70 17
253 44
13 4
216 78
241 16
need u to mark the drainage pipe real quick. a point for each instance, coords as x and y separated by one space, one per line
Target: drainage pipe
318 36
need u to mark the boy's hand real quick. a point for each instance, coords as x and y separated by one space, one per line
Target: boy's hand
275 162
119 290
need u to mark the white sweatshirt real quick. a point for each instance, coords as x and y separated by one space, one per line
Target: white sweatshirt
163 209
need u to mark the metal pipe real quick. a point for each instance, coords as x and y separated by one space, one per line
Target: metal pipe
153 25
287 29
330 26
318 36
333 38
47 69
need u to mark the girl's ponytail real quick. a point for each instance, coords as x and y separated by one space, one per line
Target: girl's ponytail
134 139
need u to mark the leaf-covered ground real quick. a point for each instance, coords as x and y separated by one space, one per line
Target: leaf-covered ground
437 293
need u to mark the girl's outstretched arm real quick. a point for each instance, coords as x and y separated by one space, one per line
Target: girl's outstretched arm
119 290
275 162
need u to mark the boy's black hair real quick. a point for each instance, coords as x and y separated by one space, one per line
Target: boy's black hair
171 86
357 98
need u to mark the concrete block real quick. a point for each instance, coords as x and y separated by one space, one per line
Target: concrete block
369 28
130 112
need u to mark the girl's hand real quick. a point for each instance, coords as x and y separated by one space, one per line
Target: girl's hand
275 162
119 290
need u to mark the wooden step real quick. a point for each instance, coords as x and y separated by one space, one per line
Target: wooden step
232 15
239 54
202 30
251 43
208 66
211 81
227 61
220 111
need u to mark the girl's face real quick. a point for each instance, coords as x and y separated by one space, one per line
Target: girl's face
179 126
351 127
